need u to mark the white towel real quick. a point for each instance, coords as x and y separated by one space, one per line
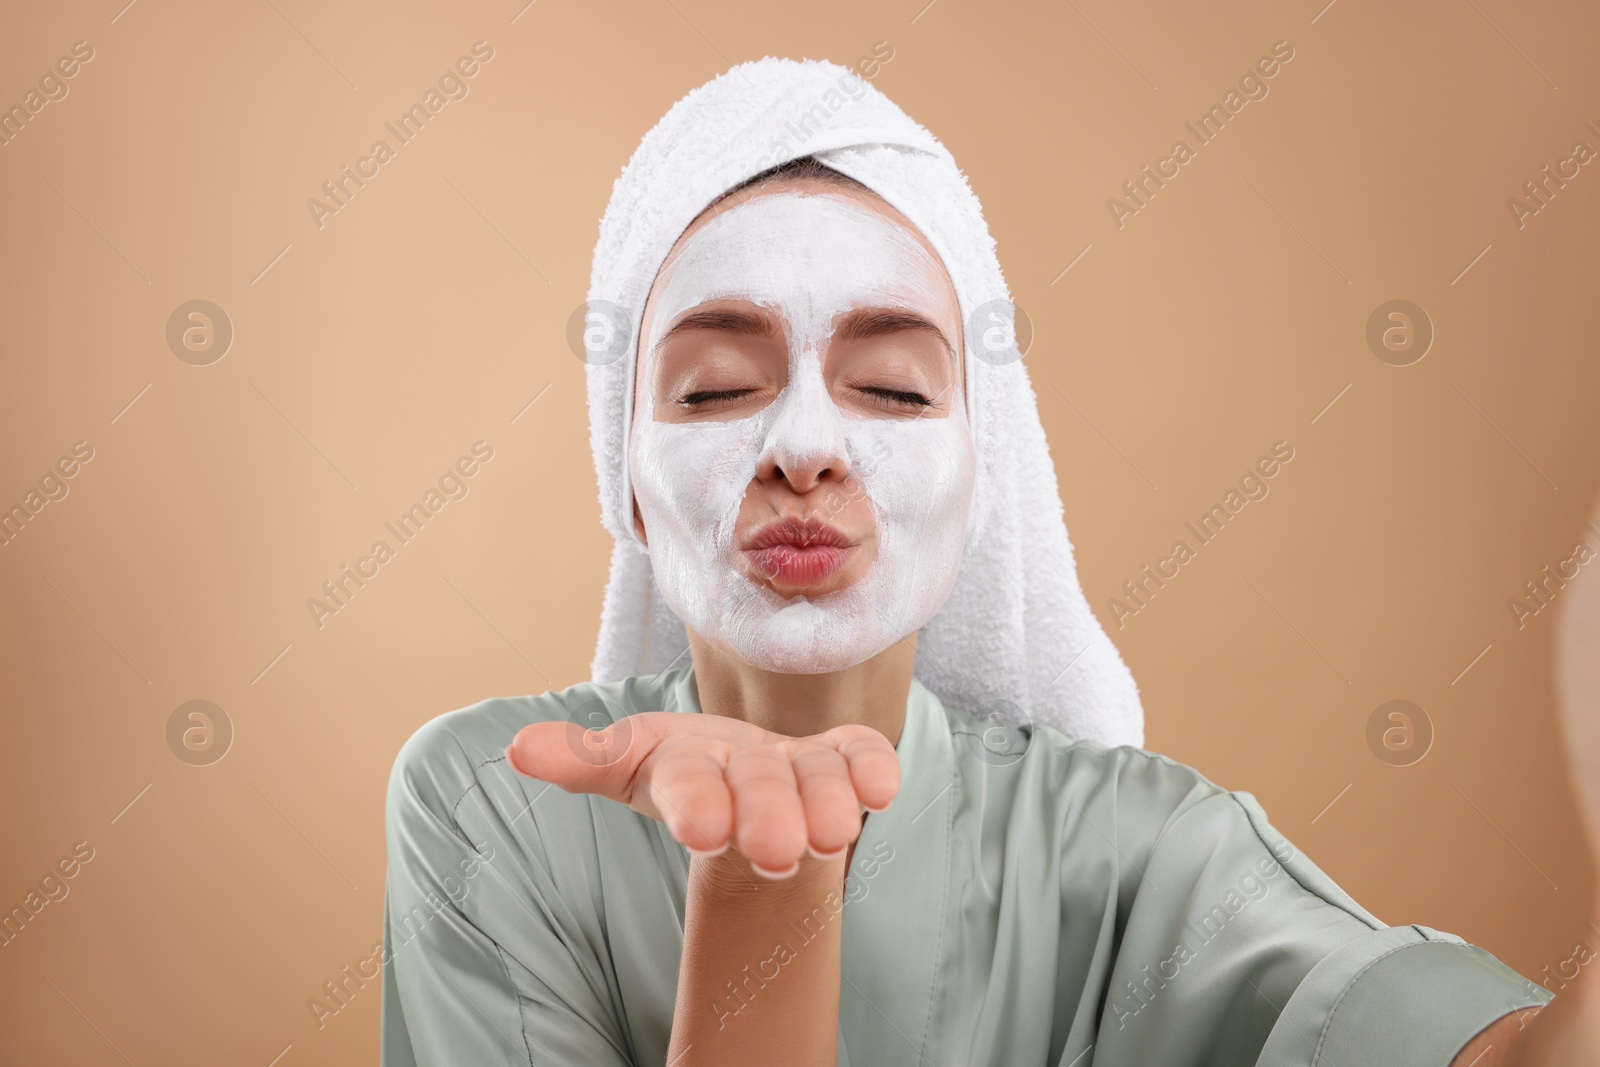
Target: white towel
1016 640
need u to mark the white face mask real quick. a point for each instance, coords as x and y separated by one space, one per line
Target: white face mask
809 258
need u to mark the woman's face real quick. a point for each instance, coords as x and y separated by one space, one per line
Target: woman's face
800 456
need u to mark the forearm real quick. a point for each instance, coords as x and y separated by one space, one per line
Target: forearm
759 977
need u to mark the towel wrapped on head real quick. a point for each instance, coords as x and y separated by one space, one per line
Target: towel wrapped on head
1015 640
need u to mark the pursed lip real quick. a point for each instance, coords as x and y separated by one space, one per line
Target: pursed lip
797 553
797 533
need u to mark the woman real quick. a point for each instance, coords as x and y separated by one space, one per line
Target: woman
858 778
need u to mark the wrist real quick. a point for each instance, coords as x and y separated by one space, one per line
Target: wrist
732 880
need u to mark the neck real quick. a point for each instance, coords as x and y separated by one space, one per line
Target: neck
873 692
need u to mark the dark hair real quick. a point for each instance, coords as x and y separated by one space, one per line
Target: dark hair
801 167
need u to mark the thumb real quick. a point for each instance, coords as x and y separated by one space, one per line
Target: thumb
578 760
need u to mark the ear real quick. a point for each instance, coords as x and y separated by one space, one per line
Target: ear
638 522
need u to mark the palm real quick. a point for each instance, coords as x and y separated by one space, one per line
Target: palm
716 781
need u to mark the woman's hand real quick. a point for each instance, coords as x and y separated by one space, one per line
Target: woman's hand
717 781
1578 701
1567 1030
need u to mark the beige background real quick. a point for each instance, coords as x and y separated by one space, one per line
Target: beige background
369 354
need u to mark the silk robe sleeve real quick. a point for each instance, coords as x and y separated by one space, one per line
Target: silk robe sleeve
1239 950
479 965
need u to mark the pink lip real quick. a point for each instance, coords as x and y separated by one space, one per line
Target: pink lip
788 565
798 552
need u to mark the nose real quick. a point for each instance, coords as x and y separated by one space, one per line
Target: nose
806 443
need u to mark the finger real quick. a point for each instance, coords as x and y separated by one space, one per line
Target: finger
874 764
769 823
689 793
832 809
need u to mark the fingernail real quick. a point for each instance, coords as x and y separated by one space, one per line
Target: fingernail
777 875
826 855
875 811
709 855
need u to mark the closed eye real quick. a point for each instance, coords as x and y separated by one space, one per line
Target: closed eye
882 396
713 397
886 398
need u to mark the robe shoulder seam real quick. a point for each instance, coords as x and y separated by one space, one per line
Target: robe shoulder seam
1250 819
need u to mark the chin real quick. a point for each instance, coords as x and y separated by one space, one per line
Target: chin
783 655
798 635
831 633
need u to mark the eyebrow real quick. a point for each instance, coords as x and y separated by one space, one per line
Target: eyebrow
879 321
732 320
858 324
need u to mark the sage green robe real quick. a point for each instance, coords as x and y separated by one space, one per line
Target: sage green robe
1025 901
